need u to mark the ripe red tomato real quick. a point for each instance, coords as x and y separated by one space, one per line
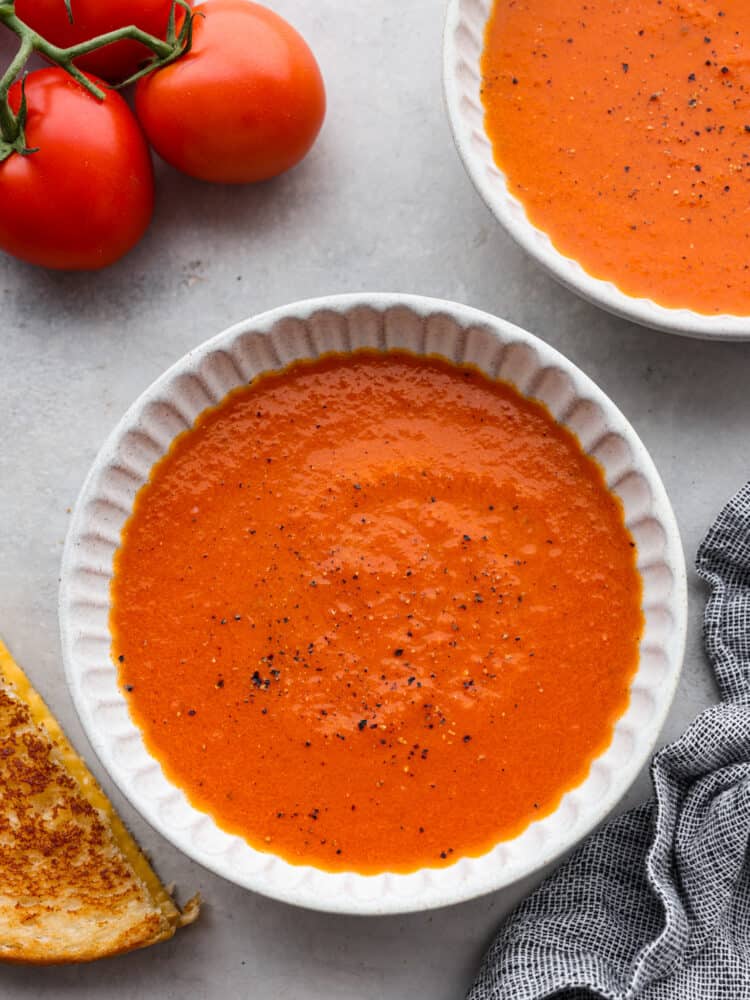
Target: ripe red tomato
246 103
87 196
96 17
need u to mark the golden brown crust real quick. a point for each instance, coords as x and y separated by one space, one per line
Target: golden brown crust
73 884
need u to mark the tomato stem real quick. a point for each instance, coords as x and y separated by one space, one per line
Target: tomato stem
158 47
10 124
178 44
164 51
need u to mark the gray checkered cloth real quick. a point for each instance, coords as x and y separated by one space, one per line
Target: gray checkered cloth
656 904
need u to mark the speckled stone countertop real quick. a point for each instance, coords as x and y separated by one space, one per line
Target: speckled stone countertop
382 203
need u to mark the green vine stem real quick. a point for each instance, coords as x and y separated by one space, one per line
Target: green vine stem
9 123
164 51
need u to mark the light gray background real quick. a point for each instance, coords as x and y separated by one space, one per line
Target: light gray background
382 203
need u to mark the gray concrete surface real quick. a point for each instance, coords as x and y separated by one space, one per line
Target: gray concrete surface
381 204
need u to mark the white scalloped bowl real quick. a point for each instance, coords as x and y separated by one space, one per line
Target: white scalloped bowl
463 42
271 341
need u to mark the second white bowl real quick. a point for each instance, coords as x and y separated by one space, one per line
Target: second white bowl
269 342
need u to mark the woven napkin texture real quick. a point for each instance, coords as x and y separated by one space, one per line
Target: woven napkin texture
656 904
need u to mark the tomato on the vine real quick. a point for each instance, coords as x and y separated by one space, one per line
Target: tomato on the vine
85 196
246 103
96 17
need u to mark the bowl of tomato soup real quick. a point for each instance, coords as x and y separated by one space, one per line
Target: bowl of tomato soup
373 603
610 142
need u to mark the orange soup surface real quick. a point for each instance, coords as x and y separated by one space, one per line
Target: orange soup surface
376 612
624 129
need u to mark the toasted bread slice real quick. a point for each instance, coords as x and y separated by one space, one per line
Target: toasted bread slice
74 886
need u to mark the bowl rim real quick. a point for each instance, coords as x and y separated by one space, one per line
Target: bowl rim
491 184
449 888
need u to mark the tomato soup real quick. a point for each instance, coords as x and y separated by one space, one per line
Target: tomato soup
376 612
624 129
